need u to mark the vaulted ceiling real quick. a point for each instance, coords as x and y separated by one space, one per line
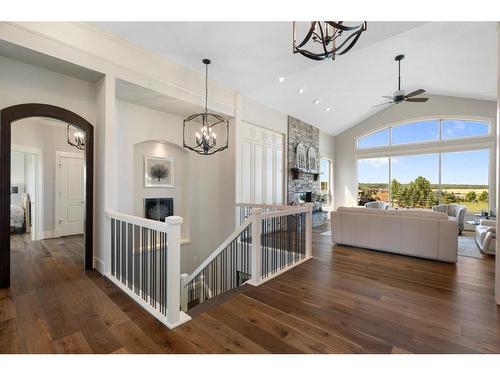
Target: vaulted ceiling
444 58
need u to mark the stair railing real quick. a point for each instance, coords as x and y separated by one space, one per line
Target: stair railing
145 263
224 270
265 245
145 258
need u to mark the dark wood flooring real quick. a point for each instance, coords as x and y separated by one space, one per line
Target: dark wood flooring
344 300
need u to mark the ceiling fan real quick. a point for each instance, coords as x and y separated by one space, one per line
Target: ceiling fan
399 96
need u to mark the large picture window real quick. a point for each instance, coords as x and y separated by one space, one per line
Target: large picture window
373 178
415 181
464 179
423 181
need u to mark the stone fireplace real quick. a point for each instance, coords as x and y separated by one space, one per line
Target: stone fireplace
303 182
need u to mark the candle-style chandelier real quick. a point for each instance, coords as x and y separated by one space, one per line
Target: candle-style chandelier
206 133
75 137
328 39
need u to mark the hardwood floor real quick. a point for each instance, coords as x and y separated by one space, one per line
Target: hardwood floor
344 300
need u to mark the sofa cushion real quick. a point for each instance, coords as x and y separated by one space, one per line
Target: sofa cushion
424 214
362 210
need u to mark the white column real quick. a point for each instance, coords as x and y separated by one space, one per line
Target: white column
309 230
256 246
173 269
104 168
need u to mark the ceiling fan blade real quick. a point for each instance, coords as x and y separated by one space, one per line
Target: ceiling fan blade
415 93
421 100
388 97
378 105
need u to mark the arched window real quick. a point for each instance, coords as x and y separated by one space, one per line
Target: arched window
425 175
439 130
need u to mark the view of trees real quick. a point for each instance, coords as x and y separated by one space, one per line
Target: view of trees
417 193
421 193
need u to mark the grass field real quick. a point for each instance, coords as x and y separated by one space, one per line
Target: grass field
475 208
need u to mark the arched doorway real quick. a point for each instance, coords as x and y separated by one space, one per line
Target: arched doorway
22 111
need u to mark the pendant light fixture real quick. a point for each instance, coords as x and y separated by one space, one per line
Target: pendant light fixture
75 137
326 39
206 133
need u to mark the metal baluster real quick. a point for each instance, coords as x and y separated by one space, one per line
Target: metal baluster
113 247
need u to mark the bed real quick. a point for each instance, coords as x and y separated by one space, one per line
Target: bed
16 217
20 208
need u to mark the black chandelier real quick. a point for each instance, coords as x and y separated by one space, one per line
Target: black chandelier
329 38
202 131
75 137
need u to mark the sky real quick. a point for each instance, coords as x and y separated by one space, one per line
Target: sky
469 167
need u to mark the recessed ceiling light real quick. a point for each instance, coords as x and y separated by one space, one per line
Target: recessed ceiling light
316 101
327 109
281 79
300 91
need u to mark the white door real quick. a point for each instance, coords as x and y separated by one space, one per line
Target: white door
70 194
261 165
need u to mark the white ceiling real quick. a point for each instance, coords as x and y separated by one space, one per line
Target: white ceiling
444 58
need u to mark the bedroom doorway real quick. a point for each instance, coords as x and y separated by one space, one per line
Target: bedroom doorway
26 191
46 186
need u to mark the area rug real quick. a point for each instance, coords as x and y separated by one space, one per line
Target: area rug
467 246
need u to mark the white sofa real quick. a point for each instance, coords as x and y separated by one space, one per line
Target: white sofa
424 234
486 236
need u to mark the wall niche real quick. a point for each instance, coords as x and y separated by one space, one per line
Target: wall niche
180 190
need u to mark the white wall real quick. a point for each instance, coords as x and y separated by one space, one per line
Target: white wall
16 167
24 83
258 114
345 178
208 182
34 132
326 145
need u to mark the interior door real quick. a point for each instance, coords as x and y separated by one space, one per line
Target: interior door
70 195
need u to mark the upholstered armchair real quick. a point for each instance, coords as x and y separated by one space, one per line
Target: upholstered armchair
486 236
455 212
378 204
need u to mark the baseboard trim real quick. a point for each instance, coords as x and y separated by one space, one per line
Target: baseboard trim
99 266
47 234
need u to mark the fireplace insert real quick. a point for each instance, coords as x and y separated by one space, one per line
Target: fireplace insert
158 208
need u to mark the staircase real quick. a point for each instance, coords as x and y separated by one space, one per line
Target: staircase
145 258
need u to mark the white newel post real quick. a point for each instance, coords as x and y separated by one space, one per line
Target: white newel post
173 268
256 248
309 230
